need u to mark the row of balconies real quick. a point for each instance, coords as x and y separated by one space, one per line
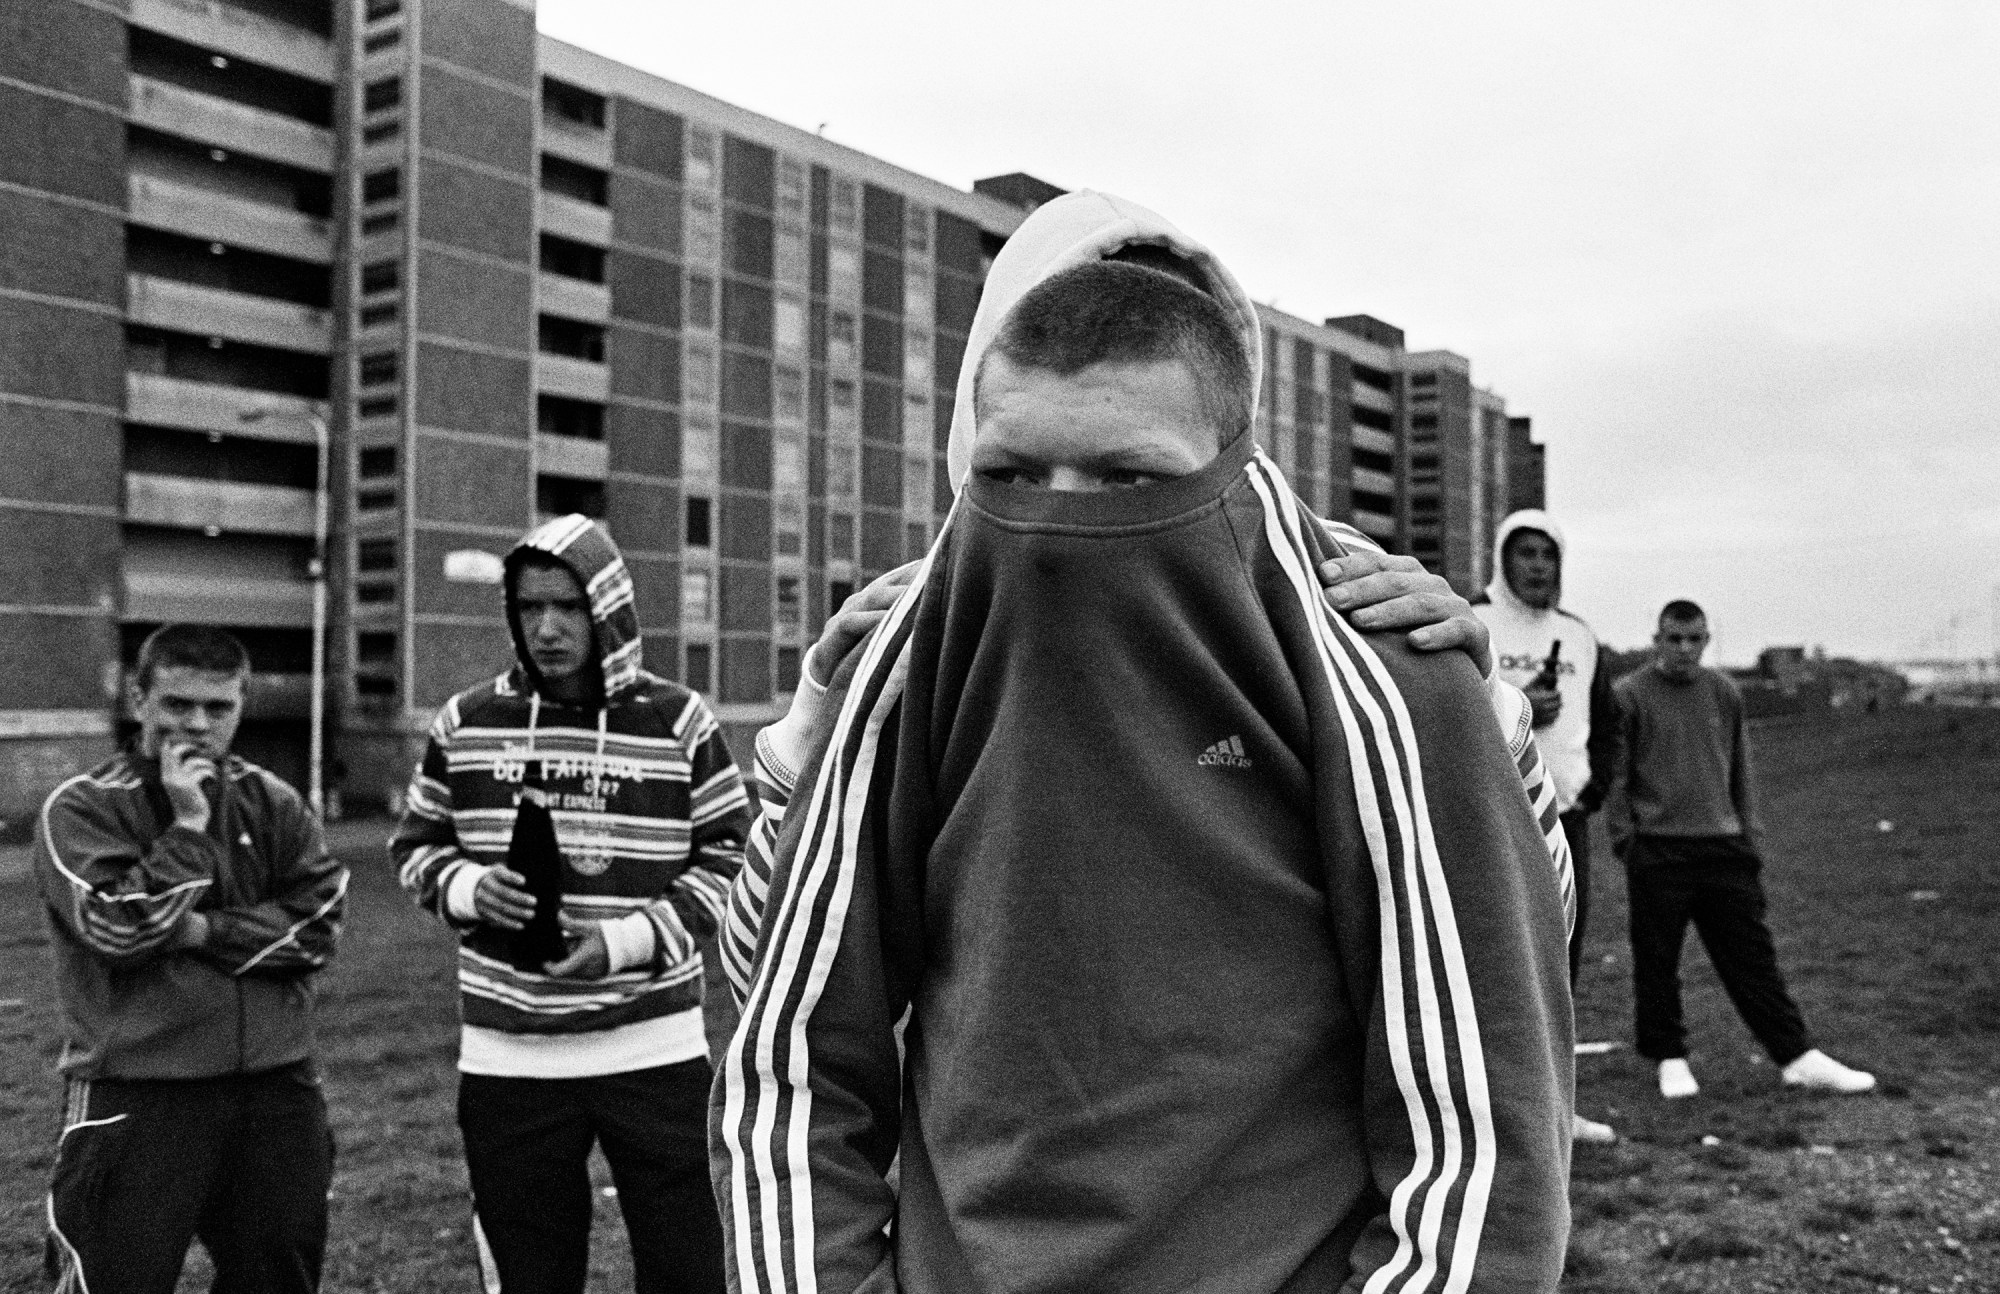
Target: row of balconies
226 124
237 32
218 312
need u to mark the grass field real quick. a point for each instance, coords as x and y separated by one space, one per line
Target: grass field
1744 1188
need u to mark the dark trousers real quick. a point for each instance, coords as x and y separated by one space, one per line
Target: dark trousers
527 1151
146 1166
1576 828
1713 882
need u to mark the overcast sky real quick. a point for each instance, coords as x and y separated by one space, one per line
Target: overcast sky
1740 261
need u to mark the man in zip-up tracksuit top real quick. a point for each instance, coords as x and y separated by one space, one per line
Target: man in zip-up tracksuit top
1163 929
604 1043
190 901
1575 721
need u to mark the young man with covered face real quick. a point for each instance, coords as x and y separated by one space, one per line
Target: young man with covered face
191 902
1164 929
1553 656
1690 839
577 788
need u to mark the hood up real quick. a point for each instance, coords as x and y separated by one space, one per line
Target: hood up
1076 229
1498 590
586 548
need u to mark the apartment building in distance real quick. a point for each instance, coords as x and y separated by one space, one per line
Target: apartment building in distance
498 278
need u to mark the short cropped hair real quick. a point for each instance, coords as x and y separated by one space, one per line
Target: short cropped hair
1680 611
196 647
1110 312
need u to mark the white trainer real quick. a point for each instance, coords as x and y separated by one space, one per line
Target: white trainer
1677 1080
1823 1073
1590 1132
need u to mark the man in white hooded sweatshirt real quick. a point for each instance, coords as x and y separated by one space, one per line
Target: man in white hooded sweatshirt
1552 655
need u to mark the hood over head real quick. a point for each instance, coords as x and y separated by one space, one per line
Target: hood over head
1076 229
1498 589
586 548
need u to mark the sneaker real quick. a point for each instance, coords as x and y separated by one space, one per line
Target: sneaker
1677 1080
1589 1132
1823 1073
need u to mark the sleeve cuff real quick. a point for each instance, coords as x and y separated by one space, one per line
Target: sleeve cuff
629 941
784 744
458 891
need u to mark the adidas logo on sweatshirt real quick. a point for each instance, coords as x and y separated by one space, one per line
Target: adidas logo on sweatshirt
1227 753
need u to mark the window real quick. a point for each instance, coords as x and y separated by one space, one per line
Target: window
698 450
840 393
385 185
701 302
917 298
916 487
791 256
698 159
790 610
697 602
840 536
837 593
570 337
380 9
789 393
377 461
916 420
1423 379
374 500
840 474
558 496
791 187
698 376
562 102
788 667
382 40
380 408
381 276
788 324
379 224
375 648
843 272
844 211
382 95
372 316
788 463
917 357
701 232
575 180
572 260
375 594
380 368
916 538
917 229
557 415
371 555
699 534
700 672
380 131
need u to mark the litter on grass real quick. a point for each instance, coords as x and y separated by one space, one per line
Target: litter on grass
1596 1048
1925 896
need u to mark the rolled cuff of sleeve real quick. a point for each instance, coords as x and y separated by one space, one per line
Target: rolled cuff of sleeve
784 744
459 890
629 941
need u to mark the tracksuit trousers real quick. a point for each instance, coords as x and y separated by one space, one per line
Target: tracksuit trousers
1712 881
1576 829
527 1152
144 1167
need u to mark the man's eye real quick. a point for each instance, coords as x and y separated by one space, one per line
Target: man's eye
1128 480
1008 475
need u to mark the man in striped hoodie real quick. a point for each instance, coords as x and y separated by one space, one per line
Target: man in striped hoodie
1164 929
601 1043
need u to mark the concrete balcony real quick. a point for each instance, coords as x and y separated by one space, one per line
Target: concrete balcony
578 143
197 503
217 217
225 124
236 32
572 298
1374 482
163 595
217 312
230 410
579 379
1368 397
1375 524
572 456
555 214
1372 440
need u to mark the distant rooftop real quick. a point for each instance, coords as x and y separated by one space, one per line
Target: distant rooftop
1370 329
1018 189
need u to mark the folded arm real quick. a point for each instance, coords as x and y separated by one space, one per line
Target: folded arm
122 898
295 930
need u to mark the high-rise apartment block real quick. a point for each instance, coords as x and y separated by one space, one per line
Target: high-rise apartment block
501 278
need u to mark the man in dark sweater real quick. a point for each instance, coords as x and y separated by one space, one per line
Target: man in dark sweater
1165 929
1689 838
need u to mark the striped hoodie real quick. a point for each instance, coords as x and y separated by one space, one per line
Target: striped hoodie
117 875
1166 930
649 813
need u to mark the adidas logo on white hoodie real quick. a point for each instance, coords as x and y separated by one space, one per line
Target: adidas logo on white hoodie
1227 753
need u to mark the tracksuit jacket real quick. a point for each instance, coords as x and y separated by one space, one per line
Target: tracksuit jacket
117 876
649 814
1170 933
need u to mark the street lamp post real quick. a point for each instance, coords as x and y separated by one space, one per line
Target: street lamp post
315 754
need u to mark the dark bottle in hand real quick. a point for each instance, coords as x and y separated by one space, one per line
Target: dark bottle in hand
1546 680
534 853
